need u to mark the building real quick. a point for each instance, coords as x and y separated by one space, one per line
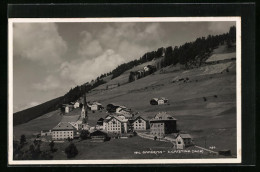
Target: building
76 105
162 124
122 110
98 136
154 101
140 123
111 107
113 124
68 108
159 101
46 133
95 106
100 121
63 131
152 68
183 140
146 69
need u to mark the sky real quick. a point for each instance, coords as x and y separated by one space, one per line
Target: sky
50 58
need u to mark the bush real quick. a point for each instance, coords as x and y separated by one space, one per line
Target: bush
22 140
227 70
52 146
71 151
84 134
155 138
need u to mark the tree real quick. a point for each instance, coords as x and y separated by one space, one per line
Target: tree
22 140
232 34
84 134
84 121
71 151
52 146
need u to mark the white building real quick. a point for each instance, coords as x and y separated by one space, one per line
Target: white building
140 124
114 124
46 133
76 105
63 131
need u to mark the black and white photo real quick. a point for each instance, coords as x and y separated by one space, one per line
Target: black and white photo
124 90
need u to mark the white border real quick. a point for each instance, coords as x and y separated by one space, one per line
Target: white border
120 161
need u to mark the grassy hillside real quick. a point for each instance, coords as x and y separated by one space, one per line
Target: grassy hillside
36 111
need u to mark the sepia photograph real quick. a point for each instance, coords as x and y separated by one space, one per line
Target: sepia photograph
124 90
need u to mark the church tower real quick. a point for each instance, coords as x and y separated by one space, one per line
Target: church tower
84 112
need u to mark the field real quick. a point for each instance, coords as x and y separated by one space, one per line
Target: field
204 105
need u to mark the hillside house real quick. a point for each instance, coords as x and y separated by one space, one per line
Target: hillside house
162 124
159 101
68 108
111 108
63 131
139 123
113 124
95 106
152 69
46 133
183 140
146 69
122 110
76 105
98 136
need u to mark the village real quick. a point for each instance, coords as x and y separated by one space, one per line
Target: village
120 123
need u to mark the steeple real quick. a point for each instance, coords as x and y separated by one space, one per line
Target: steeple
84 108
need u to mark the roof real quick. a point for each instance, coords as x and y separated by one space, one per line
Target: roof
139 117
63 126
120 119
156 99
97 131
185 136
161 98
114 104
101 119
97 103
163 116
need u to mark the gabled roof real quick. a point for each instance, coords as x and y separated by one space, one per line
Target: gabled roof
185 136
156 99
97 103
101 119
139 117
114 104
162 116
114 117
63 126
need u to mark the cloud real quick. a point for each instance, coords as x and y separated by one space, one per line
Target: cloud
39 42
50 83
88 47
220 27
83 70
109 47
